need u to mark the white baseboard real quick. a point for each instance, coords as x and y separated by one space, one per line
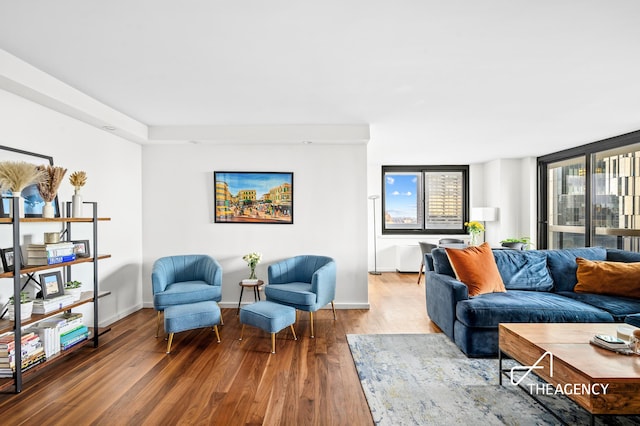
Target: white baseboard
108 321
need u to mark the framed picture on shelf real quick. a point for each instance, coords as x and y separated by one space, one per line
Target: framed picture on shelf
81 248
253 197
8 258
33 202
51 285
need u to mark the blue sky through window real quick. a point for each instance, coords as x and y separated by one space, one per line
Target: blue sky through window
401 196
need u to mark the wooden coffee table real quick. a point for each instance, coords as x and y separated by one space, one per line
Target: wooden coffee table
576 363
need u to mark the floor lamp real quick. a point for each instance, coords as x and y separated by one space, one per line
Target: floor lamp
373 198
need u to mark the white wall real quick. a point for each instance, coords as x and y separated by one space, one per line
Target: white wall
329 211
113 167
508 184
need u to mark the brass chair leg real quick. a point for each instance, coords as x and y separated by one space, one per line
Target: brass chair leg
169 342
158 323
215 328
333 307
420 272
273 343
311 316
294 332
241 332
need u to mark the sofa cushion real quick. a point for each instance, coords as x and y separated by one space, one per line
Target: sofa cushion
562 264
488 310
617 255
476 268
618 307
186 292
612 278
441 263
634 320
524 269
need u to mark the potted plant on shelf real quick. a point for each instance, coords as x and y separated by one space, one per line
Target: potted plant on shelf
73 288
522 243
26 306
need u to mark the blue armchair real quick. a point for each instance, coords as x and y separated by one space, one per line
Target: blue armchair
306 283
178 280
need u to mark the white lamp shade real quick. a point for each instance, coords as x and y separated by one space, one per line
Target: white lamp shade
484 214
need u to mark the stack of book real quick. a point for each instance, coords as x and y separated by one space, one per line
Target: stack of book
62 331
44 306
32 352
50 254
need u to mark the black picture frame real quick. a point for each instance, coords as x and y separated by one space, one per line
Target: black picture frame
253 197
33 202
81 248
8 258
51 285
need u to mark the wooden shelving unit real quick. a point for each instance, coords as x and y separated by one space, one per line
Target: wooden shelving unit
86 297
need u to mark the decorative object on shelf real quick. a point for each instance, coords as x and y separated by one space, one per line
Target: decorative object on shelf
81 248
78 180
51 285
16 176
474 228
48 187
73 288
252 260
253 197
7 256
26 306
51 237
522 243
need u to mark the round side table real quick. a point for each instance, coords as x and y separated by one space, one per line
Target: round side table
256 291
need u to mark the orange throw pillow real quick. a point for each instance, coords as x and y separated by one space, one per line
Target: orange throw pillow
476 268
612 278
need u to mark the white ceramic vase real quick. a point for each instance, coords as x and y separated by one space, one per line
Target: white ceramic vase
20 206
47 210
76 204
26 309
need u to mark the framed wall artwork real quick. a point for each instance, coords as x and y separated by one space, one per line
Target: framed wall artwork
253 197
33 202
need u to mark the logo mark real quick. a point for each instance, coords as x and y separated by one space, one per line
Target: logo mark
529 368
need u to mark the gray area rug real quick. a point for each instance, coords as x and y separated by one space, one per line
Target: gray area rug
424 379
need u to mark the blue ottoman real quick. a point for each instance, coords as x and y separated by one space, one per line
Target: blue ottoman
270 317
185 317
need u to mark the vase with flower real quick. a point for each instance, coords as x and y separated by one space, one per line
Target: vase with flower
78 180
474 228
16 176
48 187
252 260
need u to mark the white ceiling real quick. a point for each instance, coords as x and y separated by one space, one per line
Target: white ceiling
514 77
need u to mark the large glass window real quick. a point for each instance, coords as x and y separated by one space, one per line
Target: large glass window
566 183
590 195
424 199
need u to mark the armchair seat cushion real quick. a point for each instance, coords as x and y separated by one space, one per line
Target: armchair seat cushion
186 292
489 310
295 293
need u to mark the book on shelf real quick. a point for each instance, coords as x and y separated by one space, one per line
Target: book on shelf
72 342
68 337
44 306
54 260
50 254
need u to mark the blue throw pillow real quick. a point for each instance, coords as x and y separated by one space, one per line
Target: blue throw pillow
563 266
524 269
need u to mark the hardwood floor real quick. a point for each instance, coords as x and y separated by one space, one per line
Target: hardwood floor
130 380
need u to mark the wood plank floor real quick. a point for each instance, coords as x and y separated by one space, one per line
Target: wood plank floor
129 380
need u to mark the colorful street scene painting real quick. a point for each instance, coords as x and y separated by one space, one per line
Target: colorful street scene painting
253 197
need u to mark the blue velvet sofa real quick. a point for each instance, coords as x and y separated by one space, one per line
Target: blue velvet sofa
539 287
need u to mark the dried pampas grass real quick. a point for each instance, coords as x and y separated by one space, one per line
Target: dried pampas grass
17 175
78 179
48 188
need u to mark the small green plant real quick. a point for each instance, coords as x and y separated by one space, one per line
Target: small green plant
526 241
72 284
24 298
